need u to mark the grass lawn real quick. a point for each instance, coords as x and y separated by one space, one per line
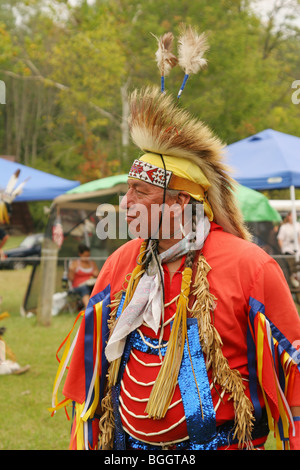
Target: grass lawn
26 423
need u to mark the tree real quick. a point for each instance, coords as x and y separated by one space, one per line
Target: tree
69 70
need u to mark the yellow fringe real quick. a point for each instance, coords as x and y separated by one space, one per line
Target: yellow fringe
164 386
106 423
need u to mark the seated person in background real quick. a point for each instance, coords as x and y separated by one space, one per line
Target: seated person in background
81 272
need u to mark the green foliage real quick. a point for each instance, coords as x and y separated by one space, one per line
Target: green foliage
68 68
38 214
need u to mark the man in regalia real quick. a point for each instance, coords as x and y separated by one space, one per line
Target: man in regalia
189 341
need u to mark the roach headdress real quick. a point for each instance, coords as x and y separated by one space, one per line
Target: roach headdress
159 125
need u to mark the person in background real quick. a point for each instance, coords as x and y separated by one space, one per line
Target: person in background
286 240
82 273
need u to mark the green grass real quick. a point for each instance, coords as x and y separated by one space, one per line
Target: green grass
26 423
13 242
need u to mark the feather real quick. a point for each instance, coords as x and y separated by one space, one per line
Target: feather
191 48
12 190
12 182
165 59
16 192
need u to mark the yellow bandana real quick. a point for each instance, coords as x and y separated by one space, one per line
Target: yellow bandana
186 176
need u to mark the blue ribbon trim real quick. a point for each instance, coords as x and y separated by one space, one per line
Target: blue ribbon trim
89 335
89 346
195 389
283 344
120 308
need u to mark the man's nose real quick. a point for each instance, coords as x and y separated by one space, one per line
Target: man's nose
127 200
123 203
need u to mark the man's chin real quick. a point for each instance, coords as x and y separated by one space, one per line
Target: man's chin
136 229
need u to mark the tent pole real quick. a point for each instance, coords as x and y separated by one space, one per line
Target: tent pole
48 282
294 217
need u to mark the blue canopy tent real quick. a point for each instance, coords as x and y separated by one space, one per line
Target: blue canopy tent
268 160
40 186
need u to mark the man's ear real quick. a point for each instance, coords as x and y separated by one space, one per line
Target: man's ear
183 198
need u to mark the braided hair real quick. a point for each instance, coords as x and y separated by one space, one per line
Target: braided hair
191 253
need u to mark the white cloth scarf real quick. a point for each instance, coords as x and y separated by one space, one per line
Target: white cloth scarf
146 303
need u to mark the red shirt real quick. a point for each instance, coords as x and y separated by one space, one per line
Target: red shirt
82 275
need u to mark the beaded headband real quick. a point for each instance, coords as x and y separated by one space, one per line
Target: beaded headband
150 174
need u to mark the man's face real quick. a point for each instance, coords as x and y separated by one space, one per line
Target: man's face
142 203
